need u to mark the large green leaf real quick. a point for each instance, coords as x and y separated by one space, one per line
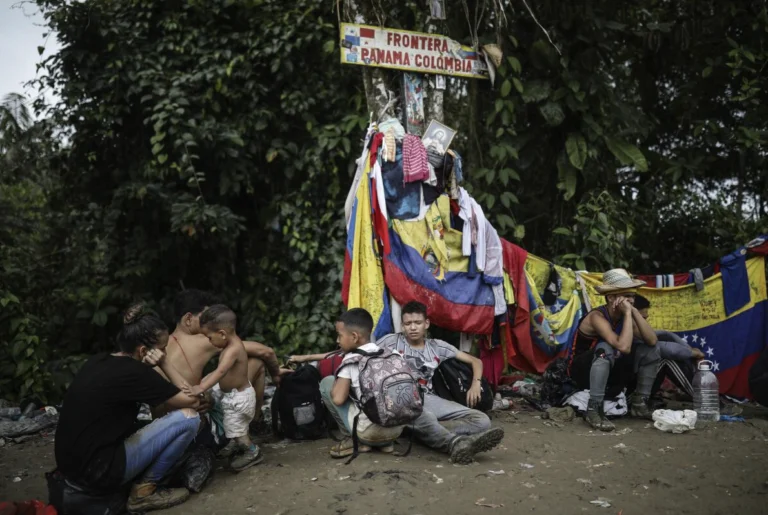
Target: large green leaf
626 153
576 147
552 113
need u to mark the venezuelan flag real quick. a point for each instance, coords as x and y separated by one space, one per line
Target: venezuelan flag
363 281
425 263
731 342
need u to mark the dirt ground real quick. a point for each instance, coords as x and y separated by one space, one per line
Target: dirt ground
540 467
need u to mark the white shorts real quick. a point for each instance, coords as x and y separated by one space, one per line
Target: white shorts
238 409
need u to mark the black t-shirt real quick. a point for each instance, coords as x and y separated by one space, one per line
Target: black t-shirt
99 413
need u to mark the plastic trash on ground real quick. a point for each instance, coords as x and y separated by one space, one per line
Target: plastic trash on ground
672 421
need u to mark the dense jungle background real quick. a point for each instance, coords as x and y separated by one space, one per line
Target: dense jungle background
211 144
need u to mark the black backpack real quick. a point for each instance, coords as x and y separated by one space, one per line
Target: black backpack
298 411
452 381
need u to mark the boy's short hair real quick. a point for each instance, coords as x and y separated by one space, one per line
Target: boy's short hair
218 317
358 318
415 308
191 301
641 302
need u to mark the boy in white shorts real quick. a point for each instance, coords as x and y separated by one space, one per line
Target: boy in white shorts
230 385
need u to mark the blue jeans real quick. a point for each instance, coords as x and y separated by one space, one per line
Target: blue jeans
155 449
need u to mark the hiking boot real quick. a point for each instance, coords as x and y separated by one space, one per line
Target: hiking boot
148 497
345 449
228 450
464 448
638 407
246 459
596 418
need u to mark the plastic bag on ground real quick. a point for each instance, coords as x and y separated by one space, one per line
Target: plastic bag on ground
27 426
671 421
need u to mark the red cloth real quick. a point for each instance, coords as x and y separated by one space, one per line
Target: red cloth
380 224
415 164
493 364
26 508
514 266
375 144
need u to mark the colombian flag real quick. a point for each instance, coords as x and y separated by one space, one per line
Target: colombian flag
363 282
425 263
731 342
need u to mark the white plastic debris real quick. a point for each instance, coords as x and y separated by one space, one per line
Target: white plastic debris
496 472
674 421
526 466
17 479
602 502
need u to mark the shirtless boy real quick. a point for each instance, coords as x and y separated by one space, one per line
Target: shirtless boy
189 351
229 384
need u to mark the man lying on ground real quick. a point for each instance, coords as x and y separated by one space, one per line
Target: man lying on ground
230 386
97 445
189 350
444 425
604 356
354 332
678 358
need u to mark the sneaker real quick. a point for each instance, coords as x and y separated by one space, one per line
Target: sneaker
246 459
386 449
465 448
345 449
638 407
228 450
149 497
596 418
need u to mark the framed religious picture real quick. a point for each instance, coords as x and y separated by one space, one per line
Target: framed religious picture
413 93
438 133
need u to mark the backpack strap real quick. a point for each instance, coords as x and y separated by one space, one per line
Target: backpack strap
355 442
275 412
367 354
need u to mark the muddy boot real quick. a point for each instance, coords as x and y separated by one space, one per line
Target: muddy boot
596 418
638 407
148 497
246 459
464 448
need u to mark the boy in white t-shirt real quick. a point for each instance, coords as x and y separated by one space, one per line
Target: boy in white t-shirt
354 332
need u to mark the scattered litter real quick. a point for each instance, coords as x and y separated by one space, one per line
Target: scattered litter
620 446
731 418
528 485
624 431
481 502
598 465
435 478
674 421
666 449
584 481
602 502
496 472
17 479
314 479
560 415
526 466
342 478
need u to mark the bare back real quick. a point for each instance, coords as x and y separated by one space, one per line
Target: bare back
189 354
236 378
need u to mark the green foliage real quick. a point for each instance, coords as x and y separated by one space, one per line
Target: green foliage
211 145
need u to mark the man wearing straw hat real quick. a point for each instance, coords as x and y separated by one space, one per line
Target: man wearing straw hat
604 358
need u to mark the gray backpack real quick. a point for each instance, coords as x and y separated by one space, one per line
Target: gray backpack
389 394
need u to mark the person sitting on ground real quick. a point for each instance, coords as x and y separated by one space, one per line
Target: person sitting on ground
678 358
444 425
604 356
189 350
354 332
230 385
97 443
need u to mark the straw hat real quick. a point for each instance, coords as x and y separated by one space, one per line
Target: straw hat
617 280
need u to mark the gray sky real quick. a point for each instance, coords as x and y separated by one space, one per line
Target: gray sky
21 32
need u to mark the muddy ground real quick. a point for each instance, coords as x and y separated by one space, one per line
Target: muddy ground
540 467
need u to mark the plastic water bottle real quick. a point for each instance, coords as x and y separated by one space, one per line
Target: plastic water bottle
706 389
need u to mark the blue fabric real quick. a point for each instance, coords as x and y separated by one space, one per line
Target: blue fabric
156 448
403 200
457 168
733 268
